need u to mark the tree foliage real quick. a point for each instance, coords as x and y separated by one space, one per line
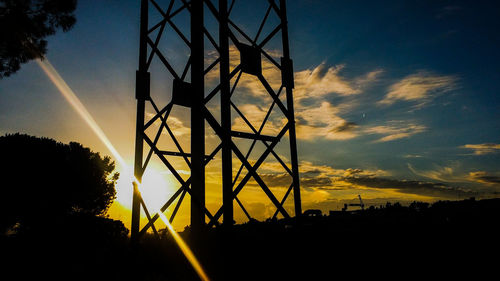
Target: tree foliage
44 181
24 25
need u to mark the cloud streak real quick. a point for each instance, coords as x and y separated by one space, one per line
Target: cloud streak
324 122
482 149
430 189
420 87
342 179
395 130
322 80
444 174
484 178
450 174
319 118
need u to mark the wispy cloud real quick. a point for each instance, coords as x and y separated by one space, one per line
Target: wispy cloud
412 156
420 87
317 176
443 174
323 121
484 148
484 178
430 189
344 179
395 130
322 184
323 80
452 174
368 79
313 122
317 118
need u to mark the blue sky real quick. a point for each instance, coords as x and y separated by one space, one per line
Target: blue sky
395 100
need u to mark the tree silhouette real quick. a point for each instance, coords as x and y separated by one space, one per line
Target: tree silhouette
24 25
44 181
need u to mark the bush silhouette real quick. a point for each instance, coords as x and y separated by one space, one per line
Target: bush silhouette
44 182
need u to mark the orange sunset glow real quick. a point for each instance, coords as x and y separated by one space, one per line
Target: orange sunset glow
249 140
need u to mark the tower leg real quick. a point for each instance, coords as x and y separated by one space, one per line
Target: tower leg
291 116
197 118
142 91
227 170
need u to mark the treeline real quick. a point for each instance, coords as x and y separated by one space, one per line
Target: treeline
420 239
53 226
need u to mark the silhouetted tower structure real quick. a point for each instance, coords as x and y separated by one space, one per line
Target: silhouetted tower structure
253 71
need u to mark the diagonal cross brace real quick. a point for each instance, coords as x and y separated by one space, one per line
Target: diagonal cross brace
251 169
270 91
264 141
174 139
247 176
184 184
284 199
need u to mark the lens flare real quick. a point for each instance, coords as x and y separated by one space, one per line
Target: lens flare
185 249
77 105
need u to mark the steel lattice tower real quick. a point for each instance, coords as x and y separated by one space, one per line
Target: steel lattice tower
191 92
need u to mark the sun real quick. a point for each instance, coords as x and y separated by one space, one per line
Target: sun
156 188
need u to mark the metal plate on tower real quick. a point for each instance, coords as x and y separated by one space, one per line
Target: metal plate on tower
250 59
182 93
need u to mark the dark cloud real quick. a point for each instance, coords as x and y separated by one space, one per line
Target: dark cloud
345 127
411 187
352 172
307 180
309 174
353 178
315 182
491 179
322 70
483 177
276 180
301 121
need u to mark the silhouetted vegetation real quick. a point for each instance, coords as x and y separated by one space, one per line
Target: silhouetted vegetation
44 182
59 232
392 241
54 198
419 240
24 25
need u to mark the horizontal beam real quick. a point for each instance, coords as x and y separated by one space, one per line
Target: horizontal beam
175 153
253 136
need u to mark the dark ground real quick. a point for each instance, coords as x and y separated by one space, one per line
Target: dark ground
443 240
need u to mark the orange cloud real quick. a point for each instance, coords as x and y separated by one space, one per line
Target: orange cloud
482 149
420 87
323 122
484 178
396 130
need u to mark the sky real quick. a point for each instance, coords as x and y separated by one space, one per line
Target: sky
394 100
